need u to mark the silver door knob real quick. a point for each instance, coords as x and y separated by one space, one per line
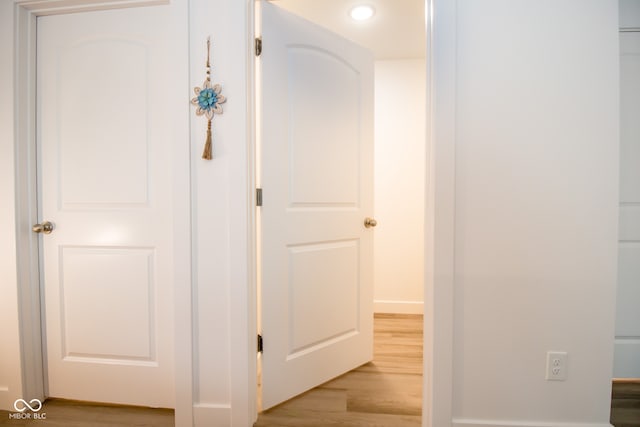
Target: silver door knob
370 222
46 228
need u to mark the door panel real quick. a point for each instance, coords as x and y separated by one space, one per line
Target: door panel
112 131
627 342
119 278
110 102
320 83
313 288
317 180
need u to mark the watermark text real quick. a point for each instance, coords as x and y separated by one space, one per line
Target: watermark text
27 410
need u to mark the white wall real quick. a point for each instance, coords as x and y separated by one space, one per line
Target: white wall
400 111
536 175
223 335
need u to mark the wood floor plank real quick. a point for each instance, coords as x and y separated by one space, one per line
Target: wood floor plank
392 402
625 404
322 399
68 413
354 419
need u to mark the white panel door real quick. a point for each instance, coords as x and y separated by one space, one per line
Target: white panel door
627 343
317 178
111 105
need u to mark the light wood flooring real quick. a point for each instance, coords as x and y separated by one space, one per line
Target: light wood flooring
625 404
68 413
386 392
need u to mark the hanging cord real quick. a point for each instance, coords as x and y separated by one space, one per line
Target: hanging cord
208 64
207 153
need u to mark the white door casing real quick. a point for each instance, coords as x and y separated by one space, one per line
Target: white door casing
111 102
627 342
317 180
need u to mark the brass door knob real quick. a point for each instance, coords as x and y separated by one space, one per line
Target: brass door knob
46 228
370 222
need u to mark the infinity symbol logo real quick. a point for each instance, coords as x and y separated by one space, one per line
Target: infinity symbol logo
37 405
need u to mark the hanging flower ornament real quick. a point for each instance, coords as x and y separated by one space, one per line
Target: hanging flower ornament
207 101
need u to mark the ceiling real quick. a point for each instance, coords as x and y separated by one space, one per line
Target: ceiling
396 31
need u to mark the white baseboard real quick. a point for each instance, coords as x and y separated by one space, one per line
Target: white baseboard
493 423
211 415
402 307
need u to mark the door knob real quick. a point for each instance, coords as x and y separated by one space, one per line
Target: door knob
46 228
370 222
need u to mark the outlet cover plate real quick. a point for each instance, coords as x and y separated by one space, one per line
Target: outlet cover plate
556 366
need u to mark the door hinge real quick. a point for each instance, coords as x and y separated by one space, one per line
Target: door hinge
260 344
258 196
258 46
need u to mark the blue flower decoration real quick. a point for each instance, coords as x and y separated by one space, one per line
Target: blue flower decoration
208 100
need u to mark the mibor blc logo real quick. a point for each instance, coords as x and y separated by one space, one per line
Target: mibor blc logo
21 406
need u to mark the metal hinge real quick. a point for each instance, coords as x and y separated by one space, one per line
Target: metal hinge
260 344
258 196
258 46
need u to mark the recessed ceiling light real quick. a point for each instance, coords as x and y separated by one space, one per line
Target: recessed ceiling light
362 12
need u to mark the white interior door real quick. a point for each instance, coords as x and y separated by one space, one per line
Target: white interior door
317 178
112 111
627 343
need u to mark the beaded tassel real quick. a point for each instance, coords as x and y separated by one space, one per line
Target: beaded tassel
207 101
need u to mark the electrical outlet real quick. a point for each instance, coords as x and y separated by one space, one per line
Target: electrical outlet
556 366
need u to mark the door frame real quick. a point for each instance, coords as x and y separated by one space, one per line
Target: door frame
30 304
622 29
439 263
441 30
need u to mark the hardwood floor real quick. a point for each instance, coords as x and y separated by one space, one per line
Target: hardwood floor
386 392
625 404
67 413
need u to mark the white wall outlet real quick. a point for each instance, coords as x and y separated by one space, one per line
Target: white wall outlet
556 366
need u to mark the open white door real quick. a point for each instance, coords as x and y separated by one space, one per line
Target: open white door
113 120
317 180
